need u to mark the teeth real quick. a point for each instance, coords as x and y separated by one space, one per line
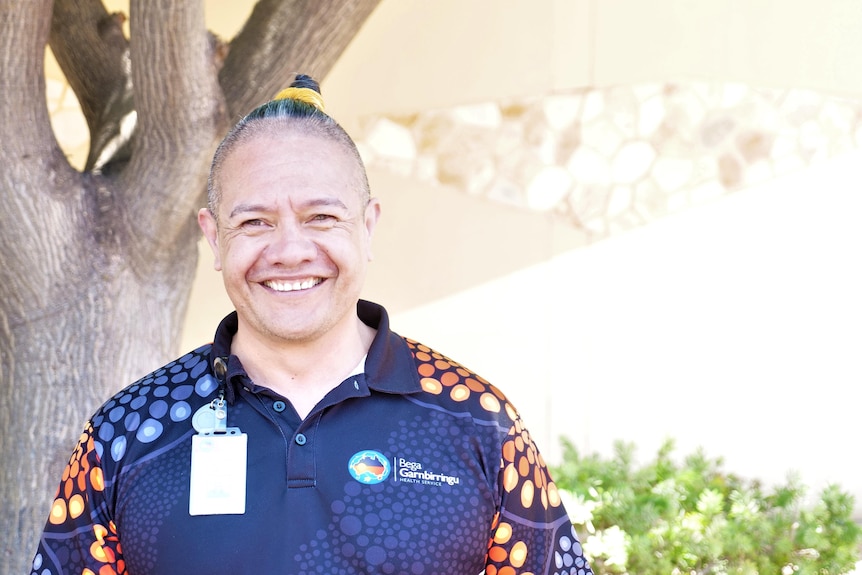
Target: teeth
292 286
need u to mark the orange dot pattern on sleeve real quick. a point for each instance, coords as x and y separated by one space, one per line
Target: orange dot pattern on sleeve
505 557
523 470
106 549
80 478
525 474
72 500
440 375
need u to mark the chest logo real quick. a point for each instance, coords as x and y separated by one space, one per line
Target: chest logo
369 467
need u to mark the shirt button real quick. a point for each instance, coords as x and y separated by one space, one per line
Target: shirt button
300 439
279 406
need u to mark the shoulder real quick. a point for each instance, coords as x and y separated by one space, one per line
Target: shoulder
454 387
156 408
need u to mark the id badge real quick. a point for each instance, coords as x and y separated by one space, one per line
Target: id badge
218 474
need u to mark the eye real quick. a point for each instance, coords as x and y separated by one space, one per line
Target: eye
253 225
323 219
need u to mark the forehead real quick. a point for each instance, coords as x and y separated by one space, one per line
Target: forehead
288 165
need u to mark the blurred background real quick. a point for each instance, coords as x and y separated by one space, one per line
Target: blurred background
638 219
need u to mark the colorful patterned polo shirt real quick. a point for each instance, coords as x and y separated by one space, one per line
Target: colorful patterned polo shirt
415 466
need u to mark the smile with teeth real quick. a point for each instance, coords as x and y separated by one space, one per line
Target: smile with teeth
292 286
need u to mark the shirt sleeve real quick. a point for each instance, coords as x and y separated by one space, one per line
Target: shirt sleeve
531 533
79 536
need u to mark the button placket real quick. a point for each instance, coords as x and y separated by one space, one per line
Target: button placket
301 463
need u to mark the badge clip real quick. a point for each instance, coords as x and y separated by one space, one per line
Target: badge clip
211 419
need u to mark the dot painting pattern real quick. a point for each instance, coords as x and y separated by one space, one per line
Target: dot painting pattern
159 483
364 535
491 504
524 471
530 492
385 544
440 376
146 407
142 410
81 476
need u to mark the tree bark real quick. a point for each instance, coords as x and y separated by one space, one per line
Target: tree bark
97 266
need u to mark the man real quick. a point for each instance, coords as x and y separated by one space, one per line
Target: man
308 438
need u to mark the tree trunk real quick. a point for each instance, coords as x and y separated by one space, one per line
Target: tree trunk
94 336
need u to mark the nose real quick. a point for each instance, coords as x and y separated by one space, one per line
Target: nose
289 246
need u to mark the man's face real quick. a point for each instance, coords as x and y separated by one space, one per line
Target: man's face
293 236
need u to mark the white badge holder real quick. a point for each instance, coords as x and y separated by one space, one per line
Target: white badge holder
219 462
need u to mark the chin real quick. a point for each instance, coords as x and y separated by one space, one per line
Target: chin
293 334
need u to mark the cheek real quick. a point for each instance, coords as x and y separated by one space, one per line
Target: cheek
238 257
352 255
337 248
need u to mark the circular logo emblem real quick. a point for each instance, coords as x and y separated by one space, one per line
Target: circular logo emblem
369 467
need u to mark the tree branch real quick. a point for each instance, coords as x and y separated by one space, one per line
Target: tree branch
283 38
39 190
29 150
179 117
92 50
23 31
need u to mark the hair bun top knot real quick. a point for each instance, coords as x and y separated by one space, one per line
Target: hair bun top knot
304 89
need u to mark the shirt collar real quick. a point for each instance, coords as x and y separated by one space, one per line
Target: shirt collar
389 367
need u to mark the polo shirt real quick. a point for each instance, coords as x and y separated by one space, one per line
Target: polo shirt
413 465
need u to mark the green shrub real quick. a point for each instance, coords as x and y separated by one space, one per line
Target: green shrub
691 518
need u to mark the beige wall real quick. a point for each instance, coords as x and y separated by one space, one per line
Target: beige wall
422 55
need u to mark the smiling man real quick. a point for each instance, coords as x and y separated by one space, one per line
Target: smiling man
293 243
308 437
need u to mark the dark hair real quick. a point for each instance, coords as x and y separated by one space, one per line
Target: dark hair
297 112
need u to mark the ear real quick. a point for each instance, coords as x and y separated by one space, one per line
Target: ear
372 214
209 227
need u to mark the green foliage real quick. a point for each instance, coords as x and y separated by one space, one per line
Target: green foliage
692 518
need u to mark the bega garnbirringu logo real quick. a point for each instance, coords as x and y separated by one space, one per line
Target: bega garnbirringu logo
369 467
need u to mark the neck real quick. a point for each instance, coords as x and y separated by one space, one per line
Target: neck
303 371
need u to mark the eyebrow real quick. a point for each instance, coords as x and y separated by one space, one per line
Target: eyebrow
244 208
324 202
316 202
